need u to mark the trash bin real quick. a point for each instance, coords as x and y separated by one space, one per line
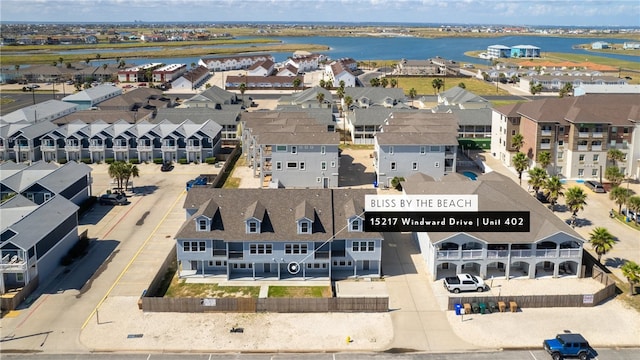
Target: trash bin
483 308
375 184
458 308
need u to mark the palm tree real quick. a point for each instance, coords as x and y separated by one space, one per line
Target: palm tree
567 89
121 64
520 163
116 172
393 83
375 82
105 66
462 85
537 178
340 93
535 88
328 84
296 83
321 83
17 67
128 171
615 155
517 141
553 190
320 98
437 85
384 82
601 240
60 60
614 175
98 56
242 88
543 159
348 100
633 204
412 94
87 61
54 63
68 64
342 84
514 78
575 199
620 196
631 271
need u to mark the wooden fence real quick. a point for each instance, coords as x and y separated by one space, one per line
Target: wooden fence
11 300
540 301
276 305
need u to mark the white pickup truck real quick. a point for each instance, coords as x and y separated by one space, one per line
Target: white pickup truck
464 282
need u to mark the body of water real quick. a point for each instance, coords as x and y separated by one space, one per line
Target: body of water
396 48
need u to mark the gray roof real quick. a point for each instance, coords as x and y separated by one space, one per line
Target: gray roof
34 130
375 115
20 180
197 115
14 209
458 95
41 110
376 95
38 223
282 207
306 96
299 138
8 168
64 176
213 94
496 192
473 116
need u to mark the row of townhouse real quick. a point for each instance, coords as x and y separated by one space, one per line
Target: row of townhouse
557 82
550 248
518 51
342 71
305 63
227 63
277 234
577 132
138 73
262 82
39 220
76 72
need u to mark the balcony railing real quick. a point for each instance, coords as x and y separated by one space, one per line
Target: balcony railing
545 132
194 148
570 253
521 253
583 148
18 148
546 253
169 148
72 148
545 146
145 148
13 263
496 254
472 254
597 135
220 253
583 134
120 148
596 147
48 147
236 255
321 255
96 147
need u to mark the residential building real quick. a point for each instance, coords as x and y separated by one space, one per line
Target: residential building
22 143
277 234
169 72
599 45
557 82
364 123
498 51
226 63
418 142
550 248
577 132
261 82
227 117
364 97
213 97
606 89
138 73
342 70
261 68
192 79
525 51
462 99
307 62
308 98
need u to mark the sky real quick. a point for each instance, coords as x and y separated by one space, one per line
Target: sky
625 13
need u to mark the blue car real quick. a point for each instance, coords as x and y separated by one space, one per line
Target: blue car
568 346
200 180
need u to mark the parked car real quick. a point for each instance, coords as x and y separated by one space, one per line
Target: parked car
630 214
594 186
568 345
113 199
464 282
166 166
200 180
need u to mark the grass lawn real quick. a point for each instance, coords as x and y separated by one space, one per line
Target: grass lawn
300 292
179 288
423 85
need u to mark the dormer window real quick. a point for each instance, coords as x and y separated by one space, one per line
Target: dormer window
252 227
203 225
304 227
355 225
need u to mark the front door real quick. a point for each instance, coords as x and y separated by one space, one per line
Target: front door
267 268
365 265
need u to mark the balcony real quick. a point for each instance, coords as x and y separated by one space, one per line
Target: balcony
48 147
570 253
459 254
236 255
145 148
545 146
583 148
169 148
18 148
194 148
522 253
597 135
583 134
72 148
546 253
222 253
545 132
93 148
321 255
120 147
596 147
13 263
497 254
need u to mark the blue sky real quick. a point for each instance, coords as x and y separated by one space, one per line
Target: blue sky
514 12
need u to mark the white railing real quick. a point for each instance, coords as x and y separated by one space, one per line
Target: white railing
120 147
169 148
545 132
546 253
570 253
596 147
448 254
521 253
96 147
582 148
597 135
583 134
72 147
145 148
48 147
194 147
495 254
472 254
545 146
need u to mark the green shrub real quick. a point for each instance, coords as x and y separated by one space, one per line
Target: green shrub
109 160
182 161
210 160
62 161
86 160
134 161
157 161
395 182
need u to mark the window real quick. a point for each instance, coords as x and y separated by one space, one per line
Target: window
261 249
435 148
278 165
580 172
596 157
292 165
581 157
323 165
391 150
202 225
47 196
393 166
560 143
295 248
304 227
560 154
252 227
414 166
193 246
333 164
323 149
302 165
513 132
423 150
355 225
19 277
281 148
363 246
294 149
594 172
30 196
436 164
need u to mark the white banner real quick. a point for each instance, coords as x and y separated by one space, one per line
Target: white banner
421 203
